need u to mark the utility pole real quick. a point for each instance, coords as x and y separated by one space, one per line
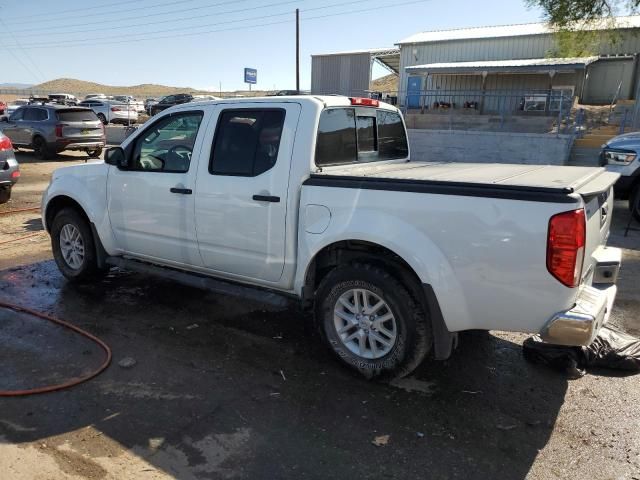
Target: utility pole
298 50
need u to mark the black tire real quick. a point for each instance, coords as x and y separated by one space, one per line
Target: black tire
634 202
5 194
95 153
88 269
413 327
102 118
40 148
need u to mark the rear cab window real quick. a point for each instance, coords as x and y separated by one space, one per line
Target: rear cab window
78 115
349 135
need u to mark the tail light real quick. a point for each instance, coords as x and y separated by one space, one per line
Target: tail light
5 144
565 246
115 109
364 102
15 174
59 128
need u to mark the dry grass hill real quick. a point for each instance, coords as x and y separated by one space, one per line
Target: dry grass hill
388 83
80 88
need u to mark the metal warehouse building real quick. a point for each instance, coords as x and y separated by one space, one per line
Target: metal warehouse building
494 69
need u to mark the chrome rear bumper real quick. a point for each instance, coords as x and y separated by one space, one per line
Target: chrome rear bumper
580 325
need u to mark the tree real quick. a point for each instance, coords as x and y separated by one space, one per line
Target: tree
572 14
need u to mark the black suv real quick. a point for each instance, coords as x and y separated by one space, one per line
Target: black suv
170 101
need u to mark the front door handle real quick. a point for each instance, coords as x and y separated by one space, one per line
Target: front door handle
266 198
183 191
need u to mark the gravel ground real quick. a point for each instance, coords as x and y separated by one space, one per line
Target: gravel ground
225 388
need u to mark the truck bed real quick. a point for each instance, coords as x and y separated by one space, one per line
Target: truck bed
525 182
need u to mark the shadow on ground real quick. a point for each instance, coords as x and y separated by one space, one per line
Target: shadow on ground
226 388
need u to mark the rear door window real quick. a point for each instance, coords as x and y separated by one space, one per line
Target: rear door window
247 142
35 114
76 116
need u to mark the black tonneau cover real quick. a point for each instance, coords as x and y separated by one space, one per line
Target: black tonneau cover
539 183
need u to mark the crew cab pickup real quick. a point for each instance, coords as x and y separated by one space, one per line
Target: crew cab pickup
318 198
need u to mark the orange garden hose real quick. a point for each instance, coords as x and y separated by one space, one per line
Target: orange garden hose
31 209
20 238
20 210
73 381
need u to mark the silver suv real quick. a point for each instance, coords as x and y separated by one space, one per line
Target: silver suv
50 129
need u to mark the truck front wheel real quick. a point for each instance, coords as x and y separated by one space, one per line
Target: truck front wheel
371 321
73 247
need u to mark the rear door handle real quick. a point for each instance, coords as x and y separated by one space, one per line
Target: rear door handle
266 198
183 191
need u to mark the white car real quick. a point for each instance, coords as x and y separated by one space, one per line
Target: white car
129 100
317 199
63 98
16 104
112 111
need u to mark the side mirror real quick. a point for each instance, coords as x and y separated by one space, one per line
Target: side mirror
115 156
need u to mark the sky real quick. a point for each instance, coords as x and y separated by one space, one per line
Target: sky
207 43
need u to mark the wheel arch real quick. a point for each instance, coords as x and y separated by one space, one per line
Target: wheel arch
348 251
56 204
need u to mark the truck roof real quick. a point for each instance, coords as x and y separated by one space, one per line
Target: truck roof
317 100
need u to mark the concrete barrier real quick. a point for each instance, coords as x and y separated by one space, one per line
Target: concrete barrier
490 147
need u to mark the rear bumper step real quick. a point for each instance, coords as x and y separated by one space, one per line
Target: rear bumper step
580 325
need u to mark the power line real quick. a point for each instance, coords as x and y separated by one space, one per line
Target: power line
94 7
149 15
26 54
174 20
191 27
91 42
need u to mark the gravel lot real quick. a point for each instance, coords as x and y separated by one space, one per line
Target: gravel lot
225 388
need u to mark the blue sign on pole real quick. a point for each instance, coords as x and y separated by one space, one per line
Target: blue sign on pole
250 75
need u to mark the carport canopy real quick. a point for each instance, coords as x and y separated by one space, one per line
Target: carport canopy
536 65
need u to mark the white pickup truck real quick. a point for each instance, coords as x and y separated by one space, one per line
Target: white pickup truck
317 198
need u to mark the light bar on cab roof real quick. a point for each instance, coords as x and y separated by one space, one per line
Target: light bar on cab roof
364 102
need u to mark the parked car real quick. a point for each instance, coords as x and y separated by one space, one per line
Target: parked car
63 99
112 111
129 100
148 103
317 198
13 106
170 101
204 98
50 129
94 95
620 155
9 169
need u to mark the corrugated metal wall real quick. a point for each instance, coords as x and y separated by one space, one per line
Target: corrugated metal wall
347 74
604 79
508 48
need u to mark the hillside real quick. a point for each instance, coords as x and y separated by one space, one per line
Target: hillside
81 88
388 83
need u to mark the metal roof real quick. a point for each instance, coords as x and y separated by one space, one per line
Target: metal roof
632 21
388 57
506 66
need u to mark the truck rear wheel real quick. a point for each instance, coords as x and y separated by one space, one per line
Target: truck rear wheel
73 246
371 321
